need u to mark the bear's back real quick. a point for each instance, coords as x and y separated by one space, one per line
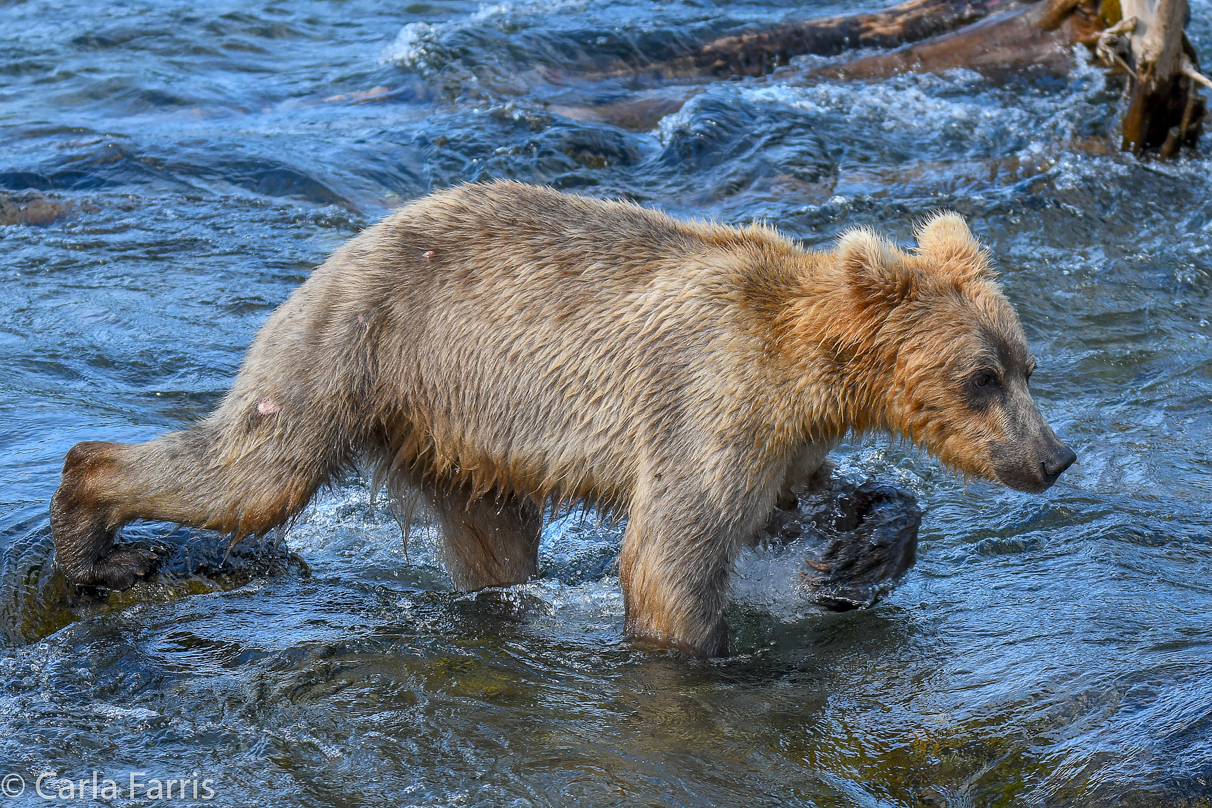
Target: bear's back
554 339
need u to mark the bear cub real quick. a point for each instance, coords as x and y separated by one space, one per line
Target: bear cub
501 348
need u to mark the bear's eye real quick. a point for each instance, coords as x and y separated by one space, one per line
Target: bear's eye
986 380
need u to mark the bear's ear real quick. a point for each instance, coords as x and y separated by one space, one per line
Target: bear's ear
947 242
875 269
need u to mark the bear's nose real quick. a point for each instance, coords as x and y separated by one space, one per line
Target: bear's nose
1060 459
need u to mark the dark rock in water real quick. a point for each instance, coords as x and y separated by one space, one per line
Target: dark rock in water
28 208
36 600
863 539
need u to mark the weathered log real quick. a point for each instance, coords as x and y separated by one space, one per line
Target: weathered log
1144 38
756 53
1036 38
1033 36
1163 106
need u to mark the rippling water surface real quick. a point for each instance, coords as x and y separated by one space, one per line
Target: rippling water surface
1049 651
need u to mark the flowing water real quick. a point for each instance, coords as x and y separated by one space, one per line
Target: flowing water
1046 650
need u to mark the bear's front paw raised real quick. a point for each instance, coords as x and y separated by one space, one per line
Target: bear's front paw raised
122 566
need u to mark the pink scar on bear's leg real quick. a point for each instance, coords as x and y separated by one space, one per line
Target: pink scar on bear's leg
267 406
428 254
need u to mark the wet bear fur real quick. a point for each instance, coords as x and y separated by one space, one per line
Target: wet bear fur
501 348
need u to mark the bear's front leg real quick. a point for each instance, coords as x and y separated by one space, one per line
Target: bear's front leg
489 540
678 552
804 465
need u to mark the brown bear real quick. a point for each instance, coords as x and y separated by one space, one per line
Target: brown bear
503 348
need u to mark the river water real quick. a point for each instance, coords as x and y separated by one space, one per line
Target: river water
1046 650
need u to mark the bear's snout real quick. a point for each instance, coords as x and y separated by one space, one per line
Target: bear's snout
1061 458
1034 464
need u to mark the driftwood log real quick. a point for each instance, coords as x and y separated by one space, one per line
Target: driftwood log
758 52
1164 107
1037 38
1142 39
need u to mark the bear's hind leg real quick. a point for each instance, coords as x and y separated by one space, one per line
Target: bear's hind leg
488 540
81 516
199 477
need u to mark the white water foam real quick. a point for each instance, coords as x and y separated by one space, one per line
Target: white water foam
413 44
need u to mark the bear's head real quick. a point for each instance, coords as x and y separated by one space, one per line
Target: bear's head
954 360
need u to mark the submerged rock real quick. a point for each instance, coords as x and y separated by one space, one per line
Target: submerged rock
36 600
862 538
28 208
